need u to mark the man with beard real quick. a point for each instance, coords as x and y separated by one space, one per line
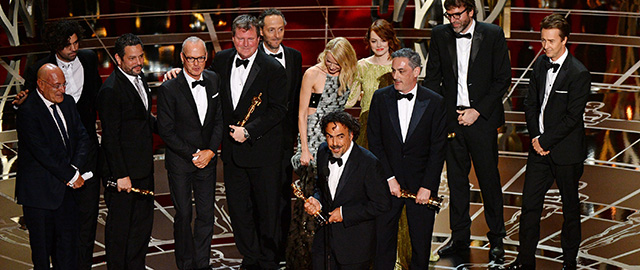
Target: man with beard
469 65
80 69
352 191
124 104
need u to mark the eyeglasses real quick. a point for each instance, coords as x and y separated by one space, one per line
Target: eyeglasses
57 85
191 60
455 15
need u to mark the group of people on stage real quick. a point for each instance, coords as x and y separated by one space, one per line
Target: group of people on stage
255 101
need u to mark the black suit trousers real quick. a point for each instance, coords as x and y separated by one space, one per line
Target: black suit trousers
540 174
323 255
129 225
254 196
477 143
87 198
420 220
53 233
193 247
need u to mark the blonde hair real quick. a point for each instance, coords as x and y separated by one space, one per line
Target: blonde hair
345 55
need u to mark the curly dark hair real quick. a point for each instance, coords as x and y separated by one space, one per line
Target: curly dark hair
343 118
126 40
56 35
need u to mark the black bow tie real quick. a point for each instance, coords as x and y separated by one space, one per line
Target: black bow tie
400 96
196 83
240 62
549 65
467 35
277 55
334 160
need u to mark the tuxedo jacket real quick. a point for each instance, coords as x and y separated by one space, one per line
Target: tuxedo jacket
179 124
44 164
363 194
293 61
267 76
86 105
563 123
416 162
127 127
488 75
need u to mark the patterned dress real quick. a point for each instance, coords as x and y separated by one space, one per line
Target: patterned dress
369 78
302 224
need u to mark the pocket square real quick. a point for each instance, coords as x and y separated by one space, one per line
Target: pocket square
561 92
214 96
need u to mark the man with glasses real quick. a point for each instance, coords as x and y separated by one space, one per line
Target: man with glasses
190 123
469 65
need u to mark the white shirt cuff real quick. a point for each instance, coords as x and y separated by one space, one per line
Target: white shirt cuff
74 178
392 177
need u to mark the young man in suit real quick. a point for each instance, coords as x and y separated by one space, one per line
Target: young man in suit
80 69
469 65
272 24
124 104
252 154
190 123
53 145
558 91
352 191
407 132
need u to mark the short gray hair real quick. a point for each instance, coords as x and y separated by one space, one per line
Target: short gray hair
245 21
269 12
414 57
193 39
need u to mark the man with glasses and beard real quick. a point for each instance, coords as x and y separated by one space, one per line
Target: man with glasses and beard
469 65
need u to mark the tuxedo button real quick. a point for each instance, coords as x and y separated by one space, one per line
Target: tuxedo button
470 84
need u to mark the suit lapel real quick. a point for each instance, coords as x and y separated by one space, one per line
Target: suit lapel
453 53
210 94
475 44
350 166
392 107
418 110
253 73
185 89
562 74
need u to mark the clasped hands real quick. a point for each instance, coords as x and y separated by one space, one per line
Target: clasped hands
201 158
422 197
538 148
468 116
313 206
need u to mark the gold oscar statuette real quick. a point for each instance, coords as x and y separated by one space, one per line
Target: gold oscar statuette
255 102
434 202
136 190
300 195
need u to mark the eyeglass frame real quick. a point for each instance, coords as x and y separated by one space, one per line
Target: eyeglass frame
456 15
192 60
59 85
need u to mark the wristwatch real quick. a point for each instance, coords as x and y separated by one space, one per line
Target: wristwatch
246 133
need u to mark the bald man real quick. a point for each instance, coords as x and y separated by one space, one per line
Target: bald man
53 145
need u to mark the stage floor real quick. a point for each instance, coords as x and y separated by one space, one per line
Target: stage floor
610 224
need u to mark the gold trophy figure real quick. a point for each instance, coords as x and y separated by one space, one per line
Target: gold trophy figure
434 202
255 102
136 190
297 190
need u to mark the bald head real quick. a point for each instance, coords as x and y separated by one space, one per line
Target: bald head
51 83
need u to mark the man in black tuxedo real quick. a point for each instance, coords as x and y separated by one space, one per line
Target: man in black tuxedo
190 123
469 65
80 69
53 145
352 192
407 132
252 154
124 105
272 24
558 91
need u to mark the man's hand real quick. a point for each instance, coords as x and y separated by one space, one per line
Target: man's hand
394 187
124 184
171 74
237 133
467 117
201 159
538 148
423 196
20 97
312 206
78 183
335 216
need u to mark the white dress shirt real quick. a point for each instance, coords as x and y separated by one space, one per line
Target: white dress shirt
133 79
199 96
280 50
335 172
64 123
74 75
239 77
551 79
405 109
463 48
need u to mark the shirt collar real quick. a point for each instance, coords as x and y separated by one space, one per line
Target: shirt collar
562 58
191 79
346 155
130 77
280 49
64 65
251 58
46 101
471 28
